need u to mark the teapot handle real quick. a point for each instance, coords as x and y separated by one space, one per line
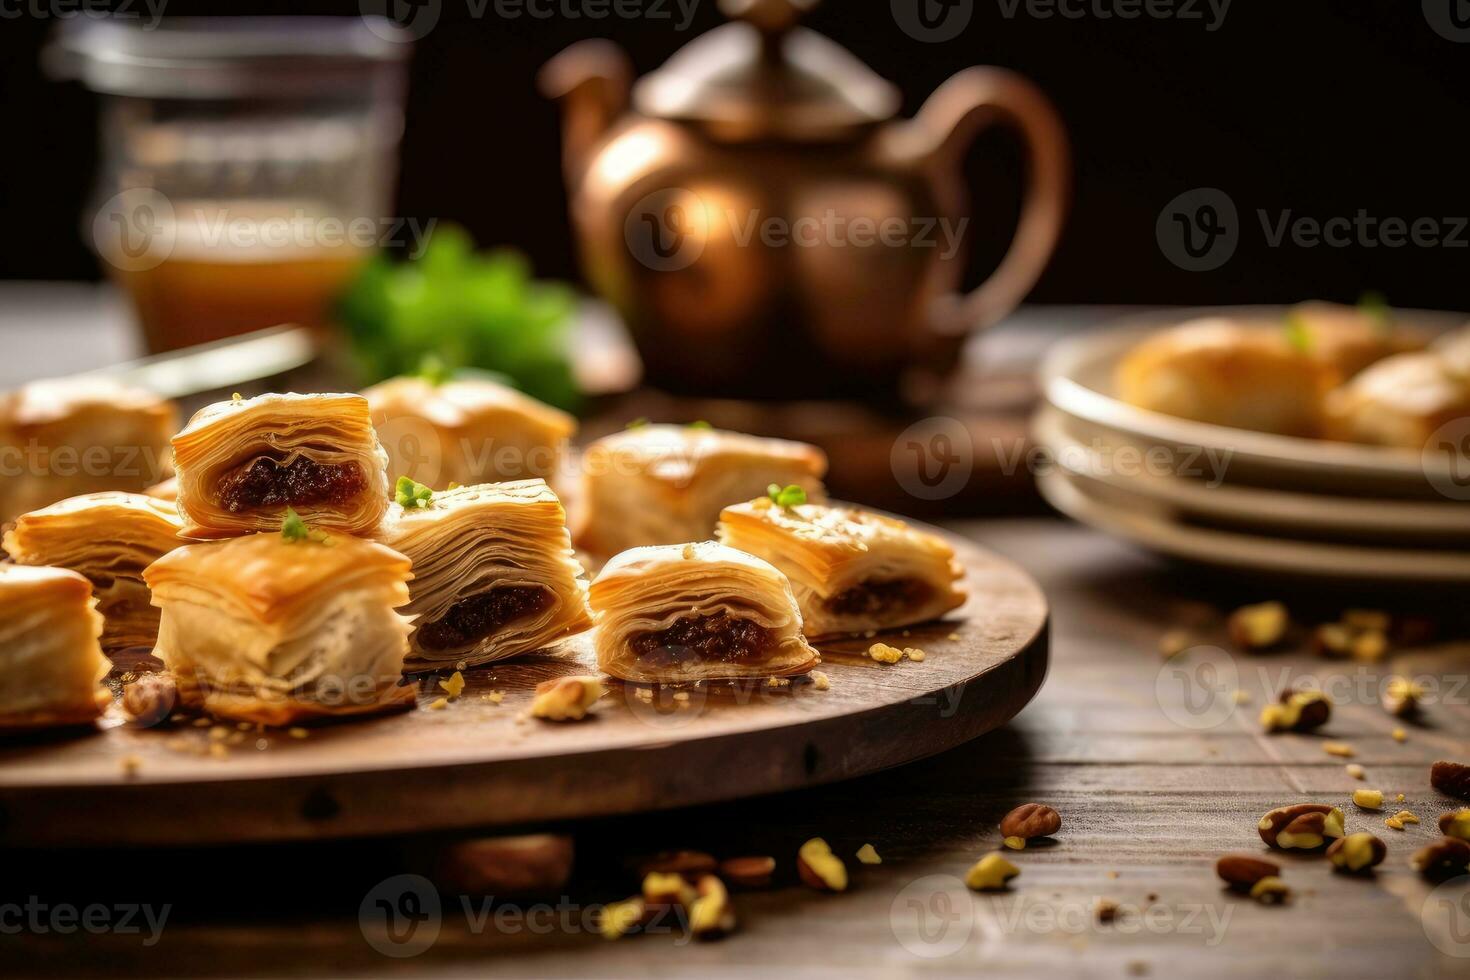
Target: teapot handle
968 103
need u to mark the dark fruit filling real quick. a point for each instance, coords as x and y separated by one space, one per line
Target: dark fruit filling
471 620
266 483
875 597
704 639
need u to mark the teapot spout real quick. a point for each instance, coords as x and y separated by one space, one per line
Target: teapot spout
592 80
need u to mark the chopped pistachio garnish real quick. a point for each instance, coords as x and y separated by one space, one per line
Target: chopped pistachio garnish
700 424
411 495
293 528
638 423
1374 306
1297 333
790 496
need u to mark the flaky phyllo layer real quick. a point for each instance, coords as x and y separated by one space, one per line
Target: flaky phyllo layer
494 573
265 629
110 538
663 484
242 463
696 612
51 666
850 570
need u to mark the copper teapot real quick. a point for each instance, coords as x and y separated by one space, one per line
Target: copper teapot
767 229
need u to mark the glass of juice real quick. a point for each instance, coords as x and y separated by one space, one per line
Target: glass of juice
246 164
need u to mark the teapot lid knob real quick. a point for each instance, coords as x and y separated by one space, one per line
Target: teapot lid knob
770 17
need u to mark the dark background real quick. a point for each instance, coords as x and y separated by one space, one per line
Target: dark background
1320 107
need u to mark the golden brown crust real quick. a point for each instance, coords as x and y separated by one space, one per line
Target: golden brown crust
49 653
826 551
663 484
468 431
473 540
328 429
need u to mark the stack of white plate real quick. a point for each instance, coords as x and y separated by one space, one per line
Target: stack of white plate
1243 499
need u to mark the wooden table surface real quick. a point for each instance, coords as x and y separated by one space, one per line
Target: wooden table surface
1150 791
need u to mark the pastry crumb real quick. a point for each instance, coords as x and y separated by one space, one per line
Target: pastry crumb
821 681
454 686
868 854
1399 735
681 696
439 704
778 682
297 732
1340 749
914 653
1356 771
952 637
885 654
495 697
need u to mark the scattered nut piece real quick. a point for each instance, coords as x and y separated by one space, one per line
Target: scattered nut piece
712 915
566 698
1332 640
1258 627
914 654
1356 771
1393 823
130 764
663 891
991 873
1370 646
1340 749
1399 735
454 686
748 872
298 732
1455 824
1031 820
1015 843
438 704
149 699
1399 798
1368 799
1446 858
1366 619
1270 891
819 868
1175 642
1451 778
1297 711
1240 871
620 918
868 854
1106 909
1406 817
1356 853
1301 826
820 681
495 697
885 654
1401 697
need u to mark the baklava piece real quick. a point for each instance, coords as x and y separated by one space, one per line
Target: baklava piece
467 431
1399 402
663 484
494 572
276 628
692 612
850 570
110 538
51 667
242 463
59 439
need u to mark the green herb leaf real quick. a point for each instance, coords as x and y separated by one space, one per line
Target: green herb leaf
293 528
1374 306
791 496
433 370
700 424
411 495
639 423
1298 334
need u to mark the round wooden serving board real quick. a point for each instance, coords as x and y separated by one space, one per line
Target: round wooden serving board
477 763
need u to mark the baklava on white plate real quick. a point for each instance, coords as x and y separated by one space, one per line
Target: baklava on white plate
242 463
493 573
664 484
110 538
467 431
51 666
692 612
275 628
851 570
